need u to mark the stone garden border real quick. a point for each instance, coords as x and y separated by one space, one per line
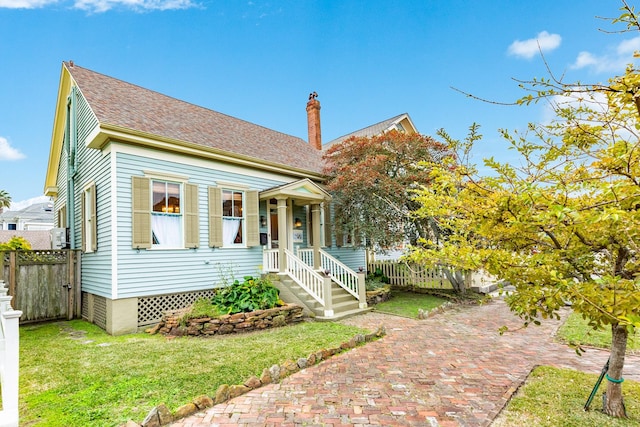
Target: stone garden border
172 324
161 415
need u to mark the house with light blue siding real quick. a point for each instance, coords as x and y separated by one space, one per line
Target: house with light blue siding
168 201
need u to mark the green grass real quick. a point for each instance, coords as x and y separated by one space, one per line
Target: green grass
74 374
554 397
403 303
576 331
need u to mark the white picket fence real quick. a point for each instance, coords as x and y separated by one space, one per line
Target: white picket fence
9 357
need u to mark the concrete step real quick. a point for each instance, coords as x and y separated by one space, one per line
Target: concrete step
344 304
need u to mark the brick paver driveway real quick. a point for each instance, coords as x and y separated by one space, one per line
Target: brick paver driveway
453 369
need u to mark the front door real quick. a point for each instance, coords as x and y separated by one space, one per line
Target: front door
273 225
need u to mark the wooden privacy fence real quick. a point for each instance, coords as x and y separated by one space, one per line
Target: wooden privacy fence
45 285
406 275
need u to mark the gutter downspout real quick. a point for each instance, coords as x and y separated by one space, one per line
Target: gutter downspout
70 136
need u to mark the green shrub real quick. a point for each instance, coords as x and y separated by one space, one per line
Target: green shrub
15 243
250 295
376 280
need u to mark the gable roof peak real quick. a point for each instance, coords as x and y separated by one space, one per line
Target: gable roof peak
129 106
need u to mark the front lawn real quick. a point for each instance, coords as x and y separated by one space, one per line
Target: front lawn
74 374
407 304
553 397
576 331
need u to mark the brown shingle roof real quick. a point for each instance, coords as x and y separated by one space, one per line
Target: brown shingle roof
123 104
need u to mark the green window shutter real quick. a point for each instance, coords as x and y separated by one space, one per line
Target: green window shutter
191 223
215 217
310 226
94 217
327 224
141 218
253 224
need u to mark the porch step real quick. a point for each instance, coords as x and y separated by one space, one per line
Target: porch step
344 304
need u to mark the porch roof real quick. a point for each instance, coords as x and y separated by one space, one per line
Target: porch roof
303 192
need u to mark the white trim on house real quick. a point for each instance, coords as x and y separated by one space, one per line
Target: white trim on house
113 171
119 147
104 134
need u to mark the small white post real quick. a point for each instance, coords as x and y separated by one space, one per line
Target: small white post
362 290
10 367
328 298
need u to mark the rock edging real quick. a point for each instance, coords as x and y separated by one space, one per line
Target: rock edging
173 324
161 415
378 296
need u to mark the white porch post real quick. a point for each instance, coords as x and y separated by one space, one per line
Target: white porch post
315 221
282 233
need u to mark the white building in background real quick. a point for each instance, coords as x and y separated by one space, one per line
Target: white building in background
38 216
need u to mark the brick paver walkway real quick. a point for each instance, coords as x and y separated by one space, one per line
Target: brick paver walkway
453 369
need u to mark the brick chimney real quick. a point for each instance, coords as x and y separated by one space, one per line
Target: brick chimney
313 121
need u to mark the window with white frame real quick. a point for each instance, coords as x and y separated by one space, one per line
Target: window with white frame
89 219
233 217
166 214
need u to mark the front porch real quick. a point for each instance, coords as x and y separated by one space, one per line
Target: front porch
330 292
325 285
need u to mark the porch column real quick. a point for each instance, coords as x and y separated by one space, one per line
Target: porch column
282 233
315 221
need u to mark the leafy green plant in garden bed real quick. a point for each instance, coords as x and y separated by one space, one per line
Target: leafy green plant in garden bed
250 295
376 280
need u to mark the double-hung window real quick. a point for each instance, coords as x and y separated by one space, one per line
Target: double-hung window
233 217
166 214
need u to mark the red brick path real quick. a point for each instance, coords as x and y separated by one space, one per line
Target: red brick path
453 369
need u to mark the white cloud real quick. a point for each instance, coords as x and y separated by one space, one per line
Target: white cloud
7 152
544 42
25 4
98 6
616 60
16 206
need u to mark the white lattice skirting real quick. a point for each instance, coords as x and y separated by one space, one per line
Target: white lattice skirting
151 309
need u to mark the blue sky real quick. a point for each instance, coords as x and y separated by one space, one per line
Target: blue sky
257 60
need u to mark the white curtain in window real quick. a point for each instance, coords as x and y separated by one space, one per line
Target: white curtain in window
166 230
230 227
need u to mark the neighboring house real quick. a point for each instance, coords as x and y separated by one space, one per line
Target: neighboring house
401 123
168 200
38 216
32 223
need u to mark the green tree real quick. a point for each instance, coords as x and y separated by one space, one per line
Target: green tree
15 243
564 228
5 200
371 179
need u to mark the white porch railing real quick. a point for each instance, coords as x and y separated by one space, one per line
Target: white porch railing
9 356
340 273
270 262
304 275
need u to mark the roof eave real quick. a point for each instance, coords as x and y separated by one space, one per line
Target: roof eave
108 132
57 136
